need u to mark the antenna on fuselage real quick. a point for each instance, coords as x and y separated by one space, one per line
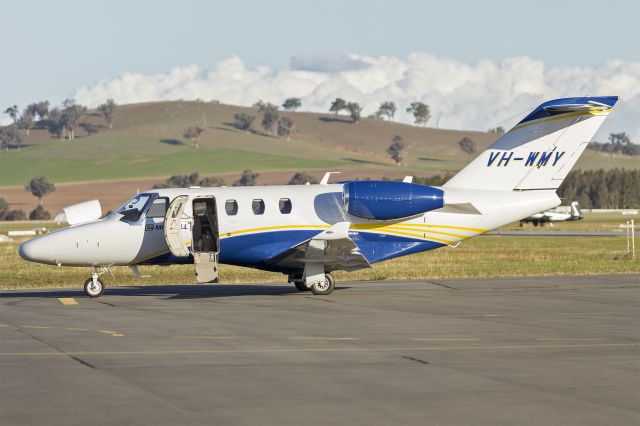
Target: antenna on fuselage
325 178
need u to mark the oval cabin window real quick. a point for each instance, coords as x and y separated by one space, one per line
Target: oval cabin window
231 207
285 205
258 206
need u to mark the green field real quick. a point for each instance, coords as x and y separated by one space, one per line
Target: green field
147 141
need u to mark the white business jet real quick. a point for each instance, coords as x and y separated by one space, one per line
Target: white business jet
308 231
550 216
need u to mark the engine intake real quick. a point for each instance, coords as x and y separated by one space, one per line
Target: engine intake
387 200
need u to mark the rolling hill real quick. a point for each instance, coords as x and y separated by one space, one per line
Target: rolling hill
146 146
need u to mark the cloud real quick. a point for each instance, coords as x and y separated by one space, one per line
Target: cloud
327 63
462 95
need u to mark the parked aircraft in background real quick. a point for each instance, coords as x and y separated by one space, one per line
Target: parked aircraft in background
551 216
307 232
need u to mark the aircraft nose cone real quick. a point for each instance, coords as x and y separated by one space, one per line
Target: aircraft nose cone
36 250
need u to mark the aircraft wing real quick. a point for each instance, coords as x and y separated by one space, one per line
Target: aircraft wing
332 247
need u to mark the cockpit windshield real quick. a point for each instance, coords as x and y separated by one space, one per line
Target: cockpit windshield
132 209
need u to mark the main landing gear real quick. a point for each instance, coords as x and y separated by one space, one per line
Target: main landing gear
94 287
323 286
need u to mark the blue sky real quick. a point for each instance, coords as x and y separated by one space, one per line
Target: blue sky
52 48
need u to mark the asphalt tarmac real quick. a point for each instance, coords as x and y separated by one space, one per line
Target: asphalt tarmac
521 351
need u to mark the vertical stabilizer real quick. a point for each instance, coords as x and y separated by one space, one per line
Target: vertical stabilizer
540 150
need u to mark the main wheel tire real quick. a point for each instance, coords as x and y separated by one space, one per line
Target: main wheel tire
300 285
93 290
325 287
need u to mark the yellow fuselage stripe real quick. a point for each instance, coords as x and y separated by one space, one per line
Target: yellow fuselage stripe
272 228
394 229
418 225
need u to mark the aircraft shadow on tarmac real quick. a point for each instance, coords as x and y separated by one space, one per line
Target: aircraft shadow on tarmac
171 291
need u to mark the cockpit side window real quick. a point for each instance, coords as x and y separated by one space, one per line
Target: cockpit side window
158 207
132 209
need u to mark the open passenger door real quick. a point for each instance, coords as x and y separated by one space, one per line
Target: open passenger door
201 228
172 226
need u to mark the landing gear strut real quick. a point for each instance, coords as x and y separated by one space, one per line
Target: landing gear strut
94 287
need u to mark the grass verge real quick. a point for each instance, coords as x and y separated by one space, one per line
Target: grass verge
486 256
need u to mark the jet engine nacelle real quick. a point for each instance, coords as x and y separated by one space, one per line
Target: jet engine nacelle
388 200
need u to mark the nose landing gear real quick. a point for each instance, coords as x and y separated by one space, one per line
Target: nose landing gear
94 287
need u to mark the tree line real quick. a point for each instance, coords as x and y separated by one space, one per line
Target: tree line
602 189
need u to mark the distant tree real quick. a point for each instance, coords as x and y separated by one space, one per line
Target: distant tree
248 178
193 134
498 130
243 121
9 135
39 187
107 109
12 111
260 104
7 214
436 180
387 108
338 105
619 143
179 181
41 109
396 149
467 145
285 126
302 178
90 128
71 113
39 213
4 208
211 181
56 123
421 113
269 117
355 110
15 215
25 121
622 143
292 104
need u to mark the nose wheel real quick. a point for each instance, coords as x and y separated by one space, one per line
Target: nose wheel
94 287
